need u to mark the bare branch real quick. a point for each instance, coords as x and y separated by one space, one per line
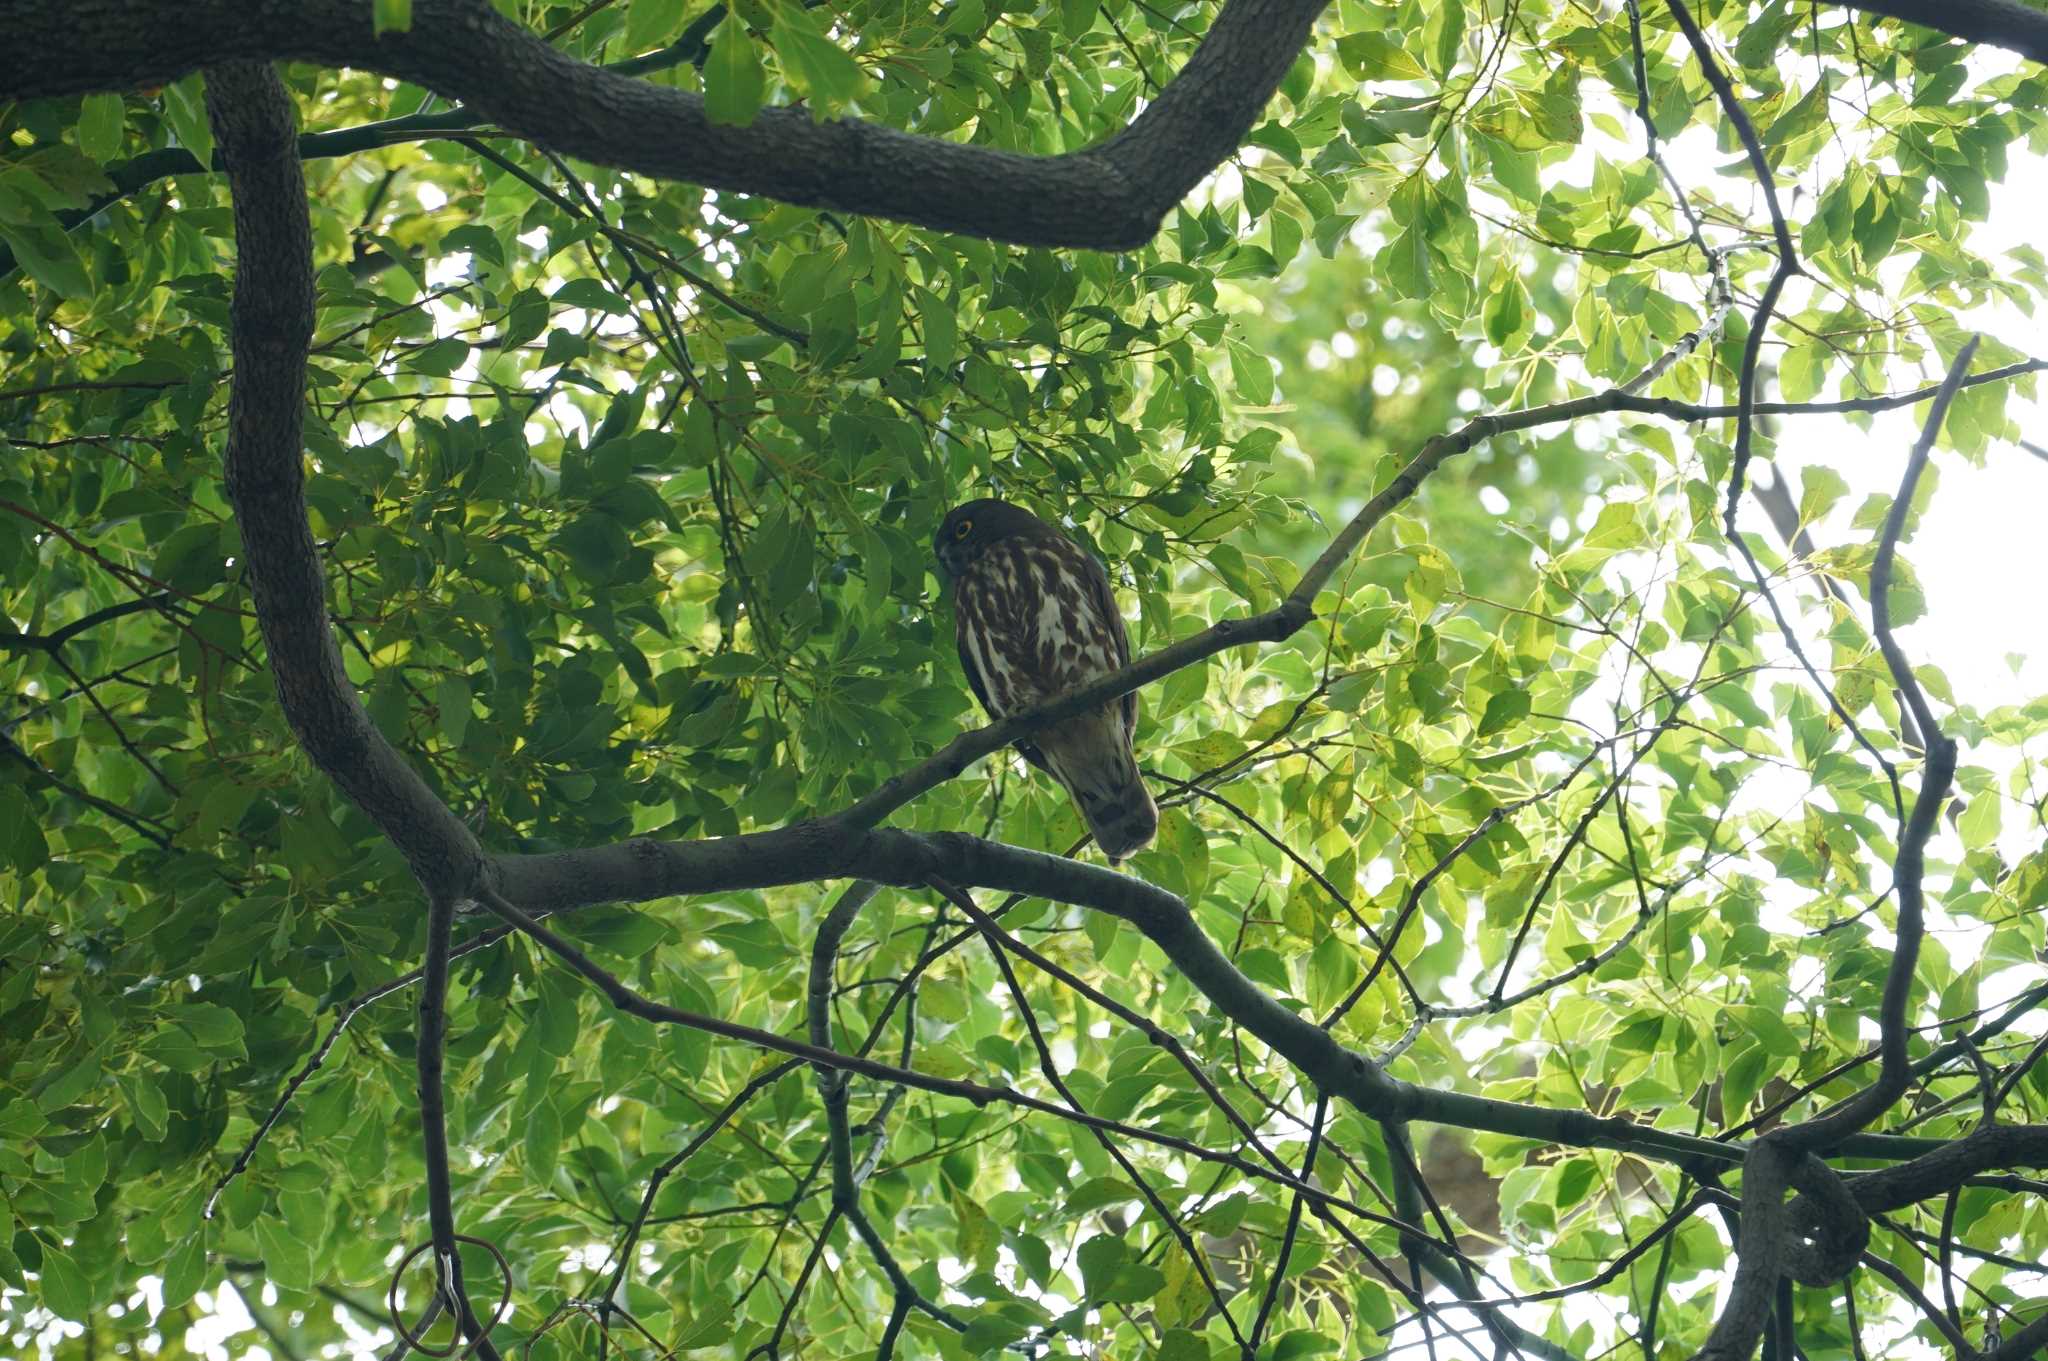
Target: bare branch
1000 949
1908 867
1279 1264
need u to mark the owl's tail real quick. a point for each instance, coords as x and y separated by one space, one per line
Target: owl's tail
1091 756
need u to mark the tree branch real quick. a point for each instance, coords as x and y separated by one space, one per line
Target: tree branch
54 641
1909 865
272 322
999 949
1108 197
2002 23
140 172
2023 1345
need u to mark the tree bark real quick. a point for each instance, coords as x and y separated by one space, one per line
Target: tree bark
1108 197
272 316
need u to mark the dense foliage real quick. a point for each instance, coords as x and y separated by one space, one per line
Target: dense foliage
623 489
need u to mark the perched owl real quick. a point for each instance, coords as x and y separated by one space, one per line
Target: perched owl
1035 619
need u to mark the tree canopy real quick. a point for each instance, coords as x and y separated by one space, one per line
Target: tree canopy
496 844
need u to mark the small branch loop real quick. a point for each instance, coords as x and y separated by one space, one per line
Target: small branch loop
1827 1230
456 1308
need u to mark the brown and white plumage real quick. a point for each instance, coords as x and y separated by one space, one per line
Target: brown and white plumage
1034 618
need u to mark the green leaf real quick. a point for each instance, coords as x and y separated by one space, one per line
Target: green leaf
1375 55
287 1259
813 62
71 1083
146 1104
390 16
1098 1192
734 84
1978 823
1291 1346
1820 487
452 701
48 256
1252 374
1505 311
595 543
1405 264
101 119
65 1290
619 931
1179 859
543 1142
1503 711
185 1272
652 22
590 295
212 1025
941 333
439 359
184 104
27 850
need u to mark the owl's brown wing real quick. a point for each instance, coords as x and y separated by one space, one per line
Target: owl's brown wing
965 603
1103 597
1080 637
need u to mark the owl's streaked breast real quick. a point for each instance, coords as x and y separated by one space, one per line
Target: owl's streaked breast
1030 624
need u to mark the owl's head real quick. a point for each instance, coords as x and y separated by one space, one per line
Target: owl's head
969 528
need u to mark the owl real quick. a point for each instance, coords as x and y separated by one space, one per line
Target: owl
1035 619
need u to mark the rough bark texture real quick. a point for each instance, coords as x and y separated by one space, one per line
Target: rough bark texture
1112 196
2001 23
273 326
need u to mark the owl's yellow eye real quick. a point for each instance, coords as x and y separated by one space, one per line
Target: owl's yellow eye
963 529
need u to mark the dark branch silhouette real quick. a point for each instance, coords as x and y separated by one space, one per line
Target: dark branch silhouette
1111 196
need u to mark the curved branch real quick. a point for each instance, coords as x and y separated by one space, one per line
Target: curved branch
272 318
272 315
139 172
1111 196
1945 1168
2001 23
1909 865
1760 1252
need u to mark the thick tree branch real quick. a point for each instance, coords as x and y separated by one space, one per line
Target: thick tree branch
1943 1169
1109 197
273 324
139 172
2001 23
1760 1249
